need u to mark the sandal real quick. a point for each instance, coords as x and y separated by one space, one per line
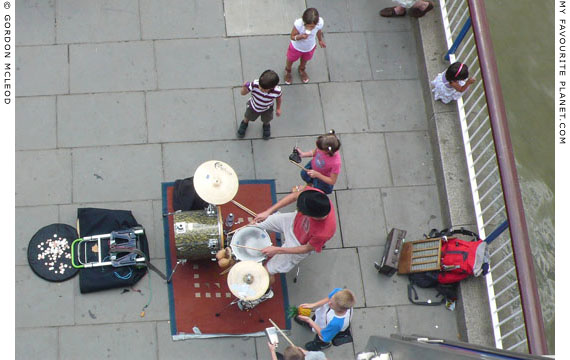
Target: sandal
304 76
417 13
391 12
288 77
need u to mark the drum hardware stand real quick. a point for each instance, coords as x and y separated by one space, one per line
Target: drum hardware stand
218 314
171 213
211 210
178 262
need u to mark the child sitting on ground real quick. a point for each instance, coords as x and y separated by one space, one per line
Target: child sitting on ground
263 92
332 316
322 171
450 84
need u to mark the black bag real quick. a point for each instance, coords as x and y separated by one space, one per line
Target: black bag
184 196
343 337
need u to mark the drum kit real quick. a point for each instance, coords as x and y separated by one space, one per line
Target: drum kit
199 235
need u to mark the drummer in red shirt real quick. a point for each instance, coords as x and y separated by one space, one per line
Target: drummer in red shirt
304 231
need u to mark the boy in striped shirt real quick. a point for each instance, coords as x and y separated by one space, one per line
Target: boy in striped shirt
263 92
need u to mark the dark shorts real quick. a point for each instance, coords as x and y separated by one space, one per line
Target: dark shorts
316 183
252 115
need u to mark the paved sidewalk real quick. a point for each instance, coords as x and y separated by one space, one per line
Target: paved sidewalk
115 97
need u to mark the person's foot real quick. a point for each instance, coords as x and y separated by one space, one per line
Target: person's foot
266 131
317 345
393 11
421 10
304 76
288 77
241 130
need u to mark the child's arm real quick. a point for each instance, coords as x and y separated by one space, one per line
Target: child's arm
331 180
278 109
315 304
313 324
272 351
456 86
295 35
245 88
321 38
306 154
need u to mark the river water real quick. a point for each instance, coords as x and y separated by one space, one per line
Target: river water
523 40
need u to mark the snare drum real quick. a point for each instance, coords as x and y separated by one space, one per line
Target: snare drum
253 237
198 234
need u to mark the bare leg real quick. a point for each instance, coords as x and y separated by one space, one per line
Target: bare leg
302 66
288 77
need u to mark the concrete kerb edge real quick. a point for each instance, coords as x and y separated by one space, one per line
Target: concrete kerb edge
454 195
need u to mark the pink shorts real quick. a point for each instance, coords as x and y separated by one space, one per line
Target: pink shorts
294 54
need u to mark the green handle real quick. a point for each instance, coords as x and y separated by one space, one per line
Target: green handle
73 256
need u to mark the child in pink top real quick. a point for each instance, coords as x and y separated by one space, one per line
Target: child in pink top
322 171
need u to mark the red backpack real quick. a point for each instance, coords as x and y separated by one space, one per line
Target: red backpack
461 259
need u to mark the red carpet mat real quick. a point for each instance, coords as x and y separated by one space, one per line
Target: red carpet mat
198 292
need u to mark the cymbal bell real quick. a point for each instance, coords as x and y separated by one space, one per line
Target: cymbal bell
216 182
248 280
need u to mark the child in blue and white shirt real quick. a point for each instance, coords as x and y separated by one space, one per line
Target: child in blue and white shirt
332 315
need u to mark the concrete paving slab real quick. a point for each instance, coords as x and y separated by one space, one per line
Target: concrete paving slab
142 211
28 220
158 241
392 55
97 21
198 63
380 289
360 170
242 17
411 158
37 343
415 209
43 177
35 78
52 310
310 287
182 159
217 348
108 341
301 113
334 14
435 321
347 57
365 16
36 22
271 159
173 19
379 321
362 217
124 173
108 67
190 115
36 113
93 308
108 119
255 62
386 114
343 107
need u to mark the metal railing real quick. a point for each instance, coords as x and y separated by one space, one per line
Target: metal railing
511 283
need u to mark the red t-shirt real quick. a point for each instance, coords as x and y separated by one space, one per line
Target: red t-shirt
312 231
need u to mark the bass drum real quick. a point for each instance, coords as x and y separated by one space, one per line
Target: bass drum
198 234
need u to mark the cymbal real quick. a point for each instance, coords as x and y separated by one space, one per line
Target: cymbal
216 182
248 280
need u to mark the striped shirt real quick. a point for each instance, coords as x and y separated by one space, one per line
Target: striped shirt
261 101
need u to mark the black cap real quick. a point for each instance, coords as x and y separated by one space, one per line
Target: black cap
313 203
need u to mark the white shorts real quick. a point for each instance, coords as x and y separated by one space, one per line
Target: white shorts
283 223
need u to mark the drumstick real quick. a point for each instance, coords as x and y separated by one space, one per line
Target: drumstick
243 208
233 231
282 333
247 247
299 165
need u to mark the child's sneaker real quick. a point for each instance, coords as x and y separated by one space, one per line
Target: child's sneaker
241 130
266 131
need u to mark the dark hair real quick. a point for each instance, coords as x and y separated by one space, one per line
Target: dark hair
328 142
268 79
311 16
454 73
